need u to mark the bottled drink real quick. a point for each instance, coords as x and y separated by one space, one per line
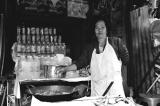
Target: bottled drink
33 36
23 35
18 34
23 43
42 35
52 49
56 48
46 35
59 39
47 47
18 48
38 43
28 44
54 32
43 48
50 34
38 48
54 35
51 45
64 48
33 46
24 38
28 35
51 39
37 35
55 39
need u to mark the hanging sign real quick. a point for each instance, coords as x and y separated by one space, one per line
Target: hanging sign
53 6
77 8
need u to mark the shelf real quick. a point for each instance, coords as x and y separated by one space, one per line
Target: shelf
45 18
54 81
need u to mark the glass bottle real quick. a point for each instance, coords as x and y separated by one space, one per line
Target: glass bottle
59 39
33 46
55 44
38 48
23 46
46 34
38 42
23 35
42 42
43 48
60 44
18 48
28 43
37 35
42 35
50 34
28 35
51 46
47 46
54 31
64 48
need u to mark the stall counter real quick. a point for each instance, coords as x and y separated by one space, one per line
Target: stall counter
89 101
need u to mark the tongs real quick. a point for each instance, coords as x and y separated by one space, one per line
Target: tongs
108 88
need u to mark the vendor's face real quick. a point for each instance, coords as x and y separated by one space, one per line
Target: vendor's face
100 29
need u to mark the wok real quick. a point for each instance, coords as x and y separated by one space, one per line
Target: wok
53 93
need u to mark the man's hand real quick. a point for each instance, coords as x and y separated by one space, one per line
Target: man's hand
82 90
60 70
63 69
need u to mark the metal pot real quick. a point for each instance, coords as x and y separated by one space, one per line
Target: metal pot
50 72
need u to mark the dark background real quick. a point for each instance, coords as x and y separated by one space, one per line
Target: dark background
75 31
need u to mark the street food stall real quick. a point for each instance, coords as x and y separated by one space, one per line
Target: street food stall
37 81
45 35
37 55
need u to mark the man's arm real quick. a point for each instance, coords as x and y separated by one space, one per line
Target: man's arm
85 58
81 62
123 52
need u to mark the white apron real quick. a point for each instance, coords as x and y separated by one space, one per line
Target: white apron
105 68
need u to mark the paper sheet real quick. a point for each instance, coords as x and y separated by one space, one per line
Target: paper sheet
17 89
77 79
85 101
36 102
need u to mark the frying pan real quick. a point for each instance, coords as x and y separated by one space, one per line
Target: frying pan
55 98
53 93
